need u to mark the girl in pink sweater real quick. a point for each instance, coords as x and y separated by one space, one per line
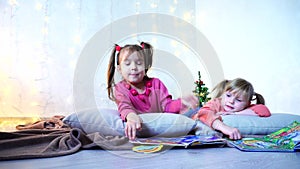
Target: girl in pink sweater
231 97
137 93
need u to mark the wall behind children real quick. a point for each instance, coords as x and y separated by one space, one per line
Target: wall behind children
43 44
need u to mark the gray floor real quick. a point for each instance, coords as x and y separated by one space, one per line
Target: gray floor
209 158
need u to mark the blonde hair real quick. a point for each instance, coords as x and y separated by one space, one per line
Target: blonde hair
237 85
144 49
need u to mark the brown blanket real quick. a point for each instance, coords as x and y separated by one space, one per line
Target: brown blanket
40 143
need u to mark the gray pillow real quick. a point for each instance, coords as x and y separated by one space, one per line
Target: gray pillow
165 125
254 125
108 122
105 121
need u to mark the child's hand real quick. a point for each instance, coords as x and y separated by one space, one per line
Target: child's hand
133 123
189 102
232 133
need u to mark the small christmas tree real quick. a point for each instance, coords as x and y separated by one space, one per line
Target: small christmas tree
201 91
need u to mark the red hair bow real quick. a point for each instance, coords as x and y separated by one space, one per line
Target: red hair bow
142 45
118 48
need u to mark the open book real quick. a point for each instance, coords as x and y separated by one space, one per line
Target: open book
185 141
286 139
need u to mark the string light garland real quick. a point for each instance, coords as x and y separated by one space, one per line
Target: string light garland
32 83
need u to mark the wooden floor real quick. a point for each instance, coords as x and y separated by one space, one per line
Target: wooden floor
206 158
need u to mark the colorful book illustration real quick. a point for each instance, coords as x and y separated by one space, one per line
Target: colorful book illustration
286 139
185 141
147 148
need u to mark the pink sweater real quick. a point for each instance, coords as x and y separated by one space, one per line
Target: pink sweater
208 113
155 99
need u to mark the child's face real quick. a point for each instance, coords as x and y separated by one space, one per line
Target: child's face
234 102
132 67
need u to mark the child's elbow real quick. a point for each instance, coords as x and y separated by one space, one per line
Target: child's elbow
262 110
